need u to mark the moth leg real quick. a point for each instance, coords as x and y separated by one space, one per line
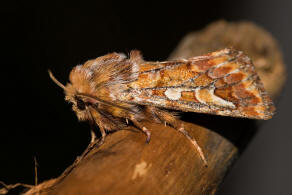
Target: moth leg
195 143
142 128
165 117
93 136
92 123
103 134
96 118
172 120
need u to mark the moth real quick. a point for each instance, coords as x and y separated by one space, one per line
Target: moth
113 89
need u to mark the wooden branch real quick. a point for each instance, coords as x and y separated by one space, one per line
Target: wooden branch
169 164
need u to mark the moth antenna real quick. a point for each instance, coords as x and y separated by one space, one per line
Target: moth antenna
55 80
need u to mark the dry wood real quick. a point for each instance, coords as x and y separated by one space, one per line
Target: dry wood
169 164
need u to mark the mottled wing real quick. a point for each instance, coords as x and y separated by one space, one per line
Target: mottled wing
221 83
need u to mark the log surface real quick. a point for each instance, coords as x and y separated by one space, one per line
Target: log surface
169 164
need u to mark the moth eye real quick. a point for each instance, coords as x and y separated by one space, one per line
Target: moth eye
80 104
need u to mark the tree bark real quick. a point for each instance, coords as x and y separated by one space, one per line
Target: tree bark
169 164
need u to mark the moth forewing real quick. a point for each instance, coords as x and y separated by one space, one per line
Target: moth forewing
223 83
112 90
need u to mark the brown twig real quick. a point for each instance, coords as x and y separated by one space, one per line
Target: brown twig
6 188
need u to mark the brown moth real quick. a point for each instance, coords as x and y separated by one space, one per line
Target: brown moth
112 89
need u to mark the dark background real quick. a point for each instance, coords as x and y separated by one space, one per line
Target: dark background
59 35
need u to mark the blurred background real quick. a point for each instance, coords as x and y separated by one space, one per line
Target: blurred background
57 35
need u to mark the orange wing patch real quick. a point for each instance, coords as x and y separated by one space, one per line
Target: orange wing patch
189 96
223 70
171 74
202 80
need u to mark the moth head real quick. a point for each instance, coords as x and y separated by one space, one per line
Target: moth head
79 105
79 102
